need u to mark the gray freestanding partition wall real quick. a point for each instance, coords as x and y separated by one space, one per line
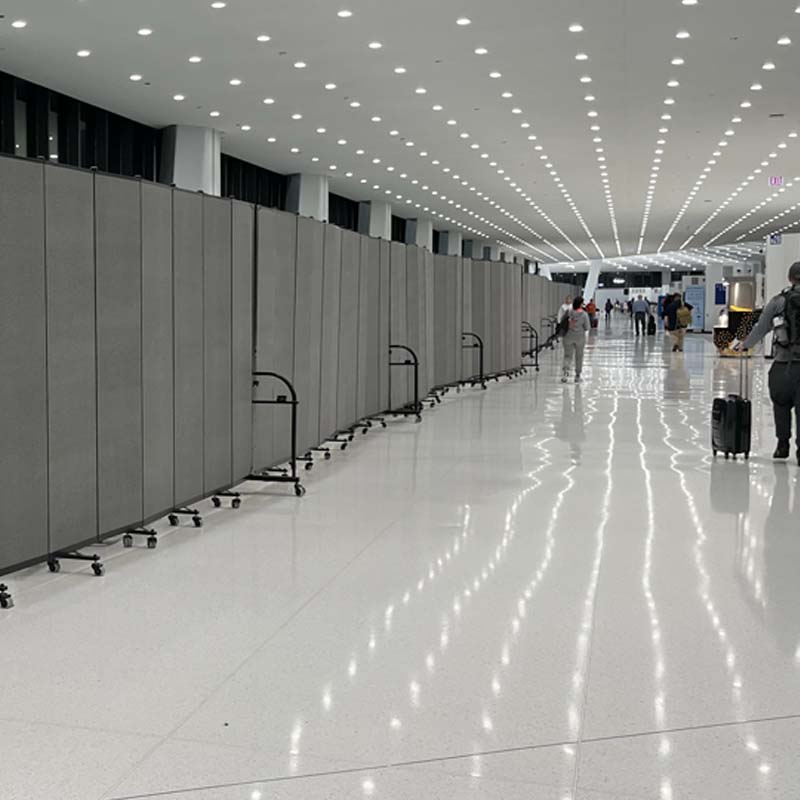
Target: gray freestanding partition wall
468 359
217 332
118 260
242 258
481 310
417 314
369 330
384 317
23 421
158 391
71 374
398 325
308 329
187 266
329 354
275 304
347 374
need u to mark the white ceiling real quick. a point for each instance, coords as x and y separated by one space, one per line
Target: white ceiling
563 217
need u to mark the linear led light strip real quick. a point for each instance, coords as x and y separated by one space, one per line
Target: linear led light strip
782 145
769 222
754 210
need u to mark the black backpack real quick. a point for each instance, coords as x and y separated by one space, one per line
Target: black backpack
791 317
563 326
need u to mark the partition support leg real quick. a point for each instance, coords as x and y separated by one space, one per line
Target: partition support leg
6 600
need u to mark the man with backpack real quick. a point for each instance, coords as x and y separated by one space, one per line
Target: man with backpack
782 317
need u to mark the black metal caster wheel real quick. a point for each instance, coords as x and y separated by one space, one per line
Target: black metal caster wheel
327 456
344 446
715 453
98 569
365 431
350 437
152 542
418 419
309 466
217 502
127 540
299 490
198 521
6 602
173 519
727 456
537 369
54 565
747 456
236 502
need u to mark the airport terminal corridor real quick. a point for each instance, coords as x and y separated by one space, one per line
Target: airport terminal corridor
544 590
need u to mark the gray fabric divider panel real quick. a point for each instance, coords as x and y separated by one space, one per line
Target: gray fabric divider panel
430 325
516 317
496 316
384 317
398 325
347 375
508 319
187 272
439 321
480 297
329 355
448 265
458 323
275 300
468 358
217 332
243 228
71 376
119 352
23 421
415 309
308 329
369 328
158 424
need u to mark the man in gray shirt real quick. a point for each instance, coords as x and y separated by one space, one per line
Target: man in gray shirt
641 308
782 317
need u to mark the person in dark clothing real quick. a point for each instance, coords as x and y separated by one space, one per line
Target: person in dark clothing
641 310
609 309
782 317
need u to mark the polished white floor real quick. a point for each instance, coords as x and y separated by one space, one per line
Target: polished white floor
543 591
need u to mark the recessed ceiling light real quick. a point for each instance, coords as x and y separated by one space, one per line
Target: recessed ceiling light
495 75
463 21
145 31
264 38
682 35
218 4
355 104
586 79
400 70
669 101
297 116
246 128
136 77
746 104
377 119
394 133
784 41
452 122
756 87
375 45
581 57
673 83
516 110
344 14
84 53
590 98
235 82
315 159
272 140
576 28
322 130
689 2
295 150
768 66
330 86
437 107
19 23
300 65
421 90
268 101
341 141
507 95
178 98
195 59
481 51
214 114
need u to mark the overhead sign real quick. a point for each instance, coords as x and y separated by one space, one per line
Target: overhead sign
776 238
776 180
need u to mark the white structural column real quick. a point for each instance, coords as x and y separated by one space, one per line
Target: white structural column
494 251
420 233
544 271
307 195
375 219
450 243
714 276
666 280
592 279
191 158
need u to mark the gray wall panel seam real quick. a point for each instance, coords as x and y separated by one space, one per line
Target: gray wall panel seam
46 357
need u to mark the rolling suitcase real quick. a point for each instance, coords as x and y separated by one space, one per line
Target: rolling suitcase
731 420
651 325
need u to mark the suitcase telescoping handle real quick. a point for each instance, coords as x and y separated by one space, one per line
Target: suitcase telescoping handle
744 374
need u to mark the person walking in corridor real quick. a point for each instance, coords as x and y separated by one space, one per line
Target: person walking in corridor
575 340
782 317
609 309
641 310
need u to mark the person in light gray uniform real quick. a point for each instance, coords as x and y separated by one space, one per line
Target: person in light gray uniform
575 340
641 310
782 318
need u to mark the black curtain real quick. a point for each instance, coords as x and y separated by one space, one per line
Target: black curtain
253 184
437 240
398 229
343 211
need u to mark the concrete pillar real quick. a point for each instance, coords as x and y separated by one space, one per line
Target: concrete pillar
450 243
592 279
191 158
307 195
666 280
714 276
375 219
420 233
